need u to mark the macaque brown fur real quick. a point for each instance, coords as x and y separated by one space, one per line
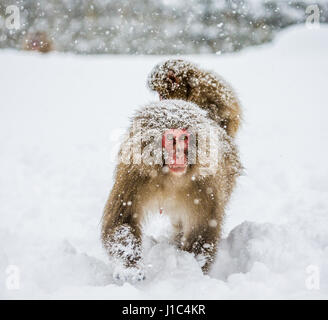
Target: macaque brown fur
179 79
194 202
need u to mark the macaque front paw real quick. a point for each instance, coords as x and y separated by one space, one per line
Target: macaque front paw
128 274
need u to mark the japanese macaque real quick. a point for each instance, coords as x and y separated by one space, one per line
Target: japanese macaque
37 41
179 79
172 170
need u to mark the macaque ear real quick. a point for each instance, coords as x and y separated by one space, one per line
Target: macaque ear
172 77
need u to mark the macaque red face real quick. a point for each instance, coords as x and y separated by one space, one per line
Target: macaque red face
175 145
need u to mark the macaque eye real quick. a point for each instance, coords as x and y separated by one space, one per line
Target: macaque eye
183 137
169 136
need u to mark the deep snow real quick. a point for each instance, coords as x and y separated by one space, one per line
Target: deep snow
61 118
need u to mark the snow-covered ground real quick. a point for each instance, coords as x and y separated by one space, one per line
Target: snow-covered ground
60 121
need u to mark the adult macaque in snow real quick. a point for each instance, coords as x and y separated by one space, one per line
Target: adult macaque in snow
179 79
176 173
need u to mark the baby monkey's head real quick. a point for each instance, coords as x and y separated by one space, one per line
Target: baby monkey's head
172 79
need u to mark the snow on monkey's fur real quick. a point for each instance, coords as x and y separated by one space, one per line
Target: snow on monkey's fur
179 79
194 202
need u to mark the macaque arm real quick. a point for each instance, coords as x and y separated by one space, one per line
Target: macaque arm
123 244
120 232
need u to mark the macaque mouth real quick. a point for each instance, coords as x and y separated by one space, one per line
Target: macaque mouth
180 164
178 170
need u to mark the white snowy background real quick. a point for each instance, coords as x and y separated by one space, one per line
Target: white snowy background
61 117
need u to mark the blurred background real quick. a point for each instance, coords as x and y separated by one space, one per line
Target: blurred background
150 26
